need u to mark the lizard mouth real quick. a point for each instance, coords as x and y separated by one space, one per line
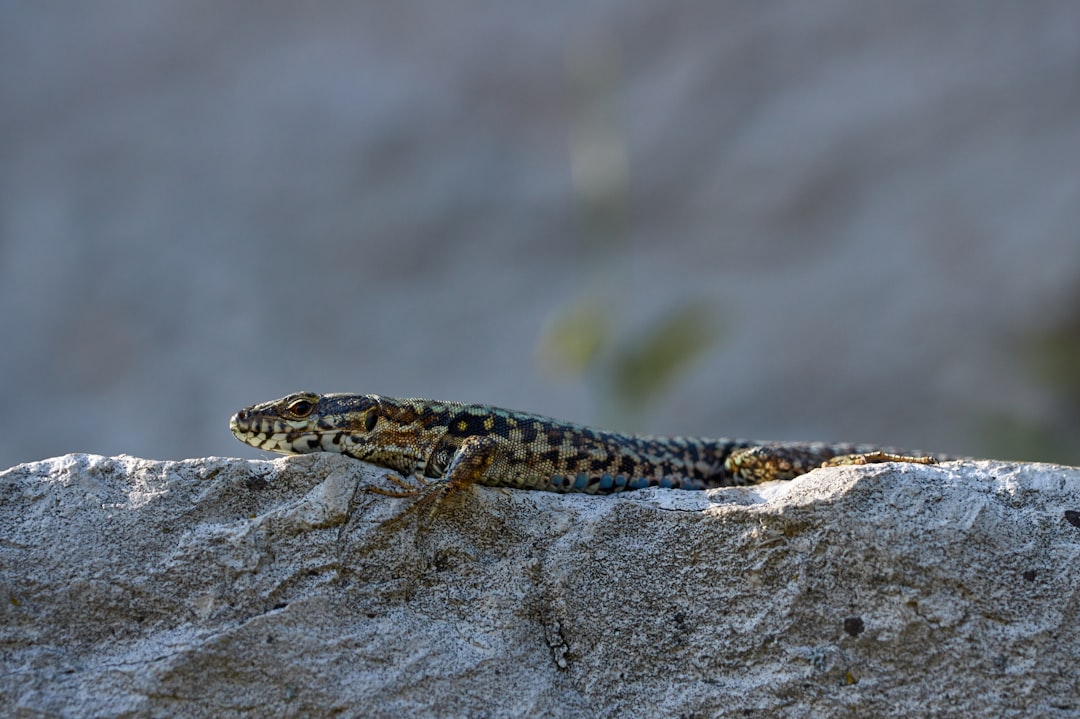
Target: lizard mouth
276 435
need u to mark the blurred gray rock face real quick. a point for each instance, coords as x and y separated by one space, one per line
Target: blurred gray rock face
204 205
219 587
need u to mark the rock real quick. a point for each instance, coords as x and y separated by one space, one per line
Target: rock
223 587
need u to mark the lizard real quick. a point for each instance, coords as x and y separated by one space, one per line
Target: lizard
460 445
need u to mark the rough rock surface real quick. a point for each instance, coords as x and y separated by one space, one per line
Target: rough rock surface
223 587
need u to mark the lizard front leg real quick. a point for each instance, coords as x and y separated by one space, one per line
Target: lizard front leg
471 460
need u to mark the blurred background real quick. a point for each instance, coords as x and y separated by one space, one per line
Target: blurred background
835 220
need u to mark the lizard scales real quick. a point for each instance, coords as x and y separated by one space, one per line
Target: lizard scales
465 444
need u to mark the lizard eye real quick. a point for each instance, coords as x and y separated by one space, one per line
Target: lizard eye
369 420
300 408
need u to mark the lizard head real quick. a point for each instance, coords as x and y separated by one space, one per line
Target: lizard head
305 422
364 426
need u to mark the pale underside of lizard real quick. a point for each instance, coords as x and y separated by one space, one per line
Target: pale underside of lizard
466 444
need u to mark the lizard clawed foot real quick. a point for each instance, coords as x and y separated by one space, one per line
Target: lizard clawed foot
419 485
431 497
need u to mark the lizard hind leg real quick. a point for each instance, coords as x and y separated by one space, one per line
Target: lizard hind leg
877 457
769 462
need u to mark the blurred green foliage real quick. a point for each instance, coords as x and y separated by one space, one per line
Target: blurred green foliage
577 338
626 374
1011 437
1053 359
646 365
1057 361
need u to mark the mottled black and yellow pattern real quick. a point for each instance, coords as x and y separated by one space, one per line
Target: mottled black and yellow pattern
466 444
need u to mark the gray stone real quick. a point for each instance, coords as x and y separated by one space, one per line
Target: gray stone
223 587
